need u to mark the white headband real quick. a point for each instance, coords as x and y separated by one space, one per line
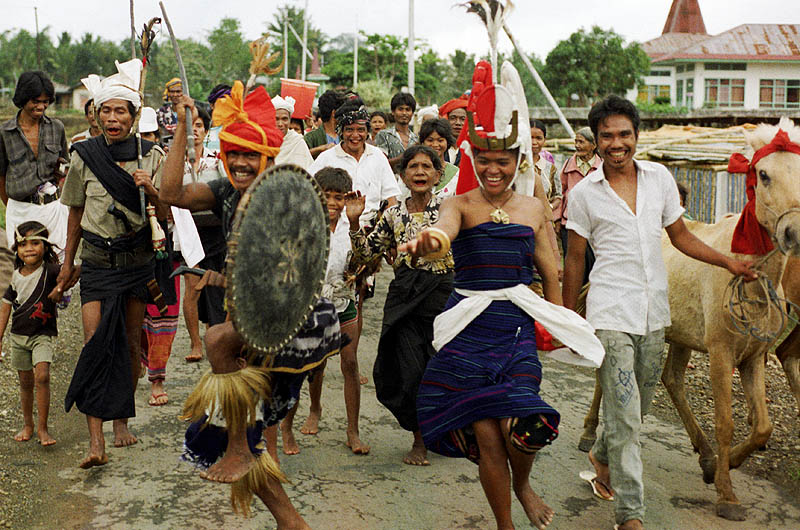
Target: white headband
286 103
122 85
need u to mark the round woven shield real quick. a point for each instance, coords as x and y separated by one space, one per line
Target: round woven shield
277 255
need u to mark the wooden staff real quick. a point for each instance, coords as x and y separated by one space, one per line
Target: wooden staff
190 151
142 199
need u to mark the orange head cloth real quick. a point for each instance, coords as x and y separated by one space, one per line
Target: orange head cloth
248 124
453 104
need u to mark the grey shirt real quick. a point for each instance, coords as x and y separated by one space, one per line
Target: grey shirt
24 172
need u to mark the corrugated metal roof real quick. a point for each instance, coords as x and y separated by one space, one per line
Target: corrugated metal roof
752 42
670 43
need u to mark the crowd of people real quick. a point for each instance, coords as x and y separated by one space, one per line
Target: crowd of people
479 224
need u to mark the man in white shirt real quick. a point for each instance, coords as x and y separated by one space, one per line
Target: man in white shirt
373 178
620 211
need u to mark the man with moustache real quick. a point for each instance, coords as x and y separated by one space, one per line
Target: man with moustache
101 191
455 111
250 141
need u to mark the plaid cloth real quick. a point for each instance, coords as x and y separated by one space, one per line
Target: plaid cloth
388 141
167 119
24 172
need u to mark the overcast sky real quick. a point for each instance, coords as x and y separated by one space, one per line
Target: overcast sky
537 25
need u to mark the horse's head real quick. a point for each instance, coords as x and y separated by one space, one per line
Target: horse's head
778 185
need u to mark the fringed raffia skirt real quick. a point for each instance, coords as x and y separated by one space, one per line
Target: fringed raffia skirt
255 398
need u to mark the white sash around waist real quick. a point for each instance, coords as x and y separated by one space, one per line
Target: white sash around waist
582 346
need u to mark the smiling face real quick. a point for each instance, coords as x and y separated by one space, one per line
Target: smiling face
116 119
243 167
335 205
174 93
354 136
420 176
35 107
457 118
616 142
402 115
282 118
437 143
496 170
31 251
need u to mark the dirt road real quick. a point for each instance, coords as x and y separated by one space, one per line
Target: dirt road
147 486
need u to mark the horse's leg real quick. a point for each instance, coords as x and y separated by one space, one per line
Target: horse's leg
752 376
673 378
592 418
727 506
788 353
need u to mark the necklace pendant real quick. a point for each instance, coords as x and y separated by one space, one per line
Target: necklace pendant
499 216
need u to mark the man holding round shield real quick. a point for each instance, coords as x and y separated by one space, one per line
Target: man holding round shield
227 441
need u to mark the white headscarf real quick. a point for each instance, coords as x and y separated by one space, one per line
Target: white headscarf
286 103
122 85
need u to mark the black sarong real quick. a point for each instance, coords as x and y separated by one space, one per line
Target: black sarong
414 299
102 383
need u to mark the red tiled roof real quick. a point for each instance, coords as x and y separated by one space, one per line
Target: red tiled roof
760 42
685 17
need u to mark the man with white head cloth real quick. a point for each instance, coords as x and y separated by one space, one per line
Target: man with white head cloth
294 149
101 191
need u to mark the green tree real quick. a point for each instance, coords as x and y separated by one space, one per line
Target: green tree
592 65
294 15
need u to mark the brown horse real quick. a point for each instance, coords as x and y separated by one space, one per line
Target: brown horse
700 321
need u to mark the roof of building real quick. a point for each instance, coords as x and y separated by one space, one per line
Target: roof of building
685 17
748 42
669 43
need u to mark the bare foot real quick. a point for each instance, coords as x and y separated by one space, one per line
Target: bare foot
417 456
45 439
539 514
363 379
94 460
290 446
603 480
25 434
122 436
356 445
196 355
231 467
631 524
311 426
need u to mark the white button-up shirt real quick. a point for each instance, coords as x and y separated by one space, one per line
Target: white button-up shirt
628 290
372 175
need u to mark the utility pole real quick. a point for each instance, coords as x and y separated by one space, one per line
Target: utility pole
411 46
305 42
286 44
38 48
355 55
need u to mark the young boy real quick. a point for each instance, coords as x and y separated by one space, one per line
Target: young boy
33 327
335 182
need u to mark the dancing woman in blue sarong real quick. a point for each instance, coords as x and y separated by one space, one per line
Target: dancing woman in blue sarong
479 397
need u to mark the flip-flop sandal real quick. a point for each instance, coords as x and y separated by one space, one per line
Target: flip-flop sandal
153 397
591 478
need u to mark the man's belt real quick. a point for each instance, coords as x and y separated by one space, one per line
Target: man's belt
108 259
37 198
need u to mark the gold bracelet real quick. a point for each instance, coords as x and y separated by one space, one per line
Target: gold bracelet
444 243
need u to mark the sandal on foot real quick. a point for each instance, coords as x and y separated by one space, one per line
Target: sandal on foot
591 478
153 402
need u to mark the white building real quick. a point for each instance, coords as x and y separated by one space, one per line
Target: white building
752 66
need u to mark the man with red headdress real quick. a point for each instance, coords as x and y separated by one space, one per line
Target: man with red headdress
455 111
227 441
